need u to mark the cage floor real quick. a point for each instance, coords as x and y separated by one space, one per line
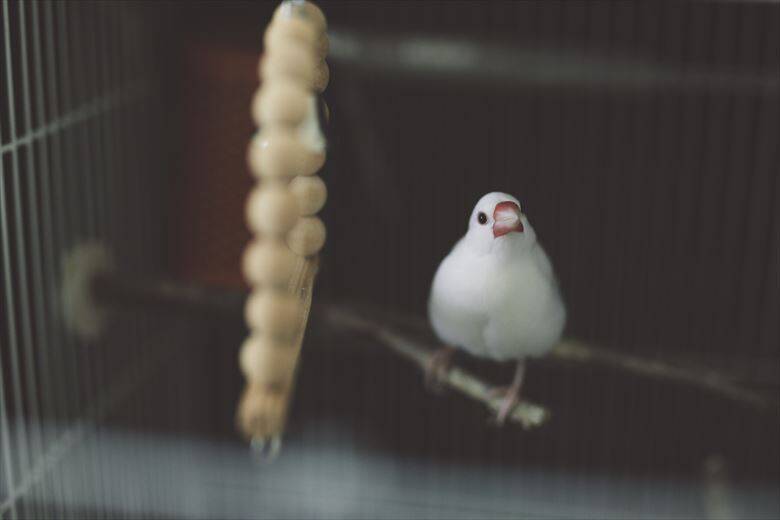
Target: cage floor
320 475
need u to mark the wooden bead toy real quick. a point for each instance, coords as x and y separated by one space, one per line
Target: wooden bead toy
323 111
281 102
293 62
321 77
261 414
310 193
276 314
310 14
307 237
280 263
279 153
322 46
305 10
268 262
283 31
271 209
309 132
291 29
267 363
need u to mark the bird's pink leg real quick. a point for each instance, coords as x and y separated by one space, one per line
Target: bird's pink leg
438 366
511 393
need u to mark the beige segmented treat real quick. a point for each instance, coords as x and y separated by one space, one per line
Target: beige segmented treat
307 237
274 313
281 102
310 194
268 262
280 153
271 209
268 363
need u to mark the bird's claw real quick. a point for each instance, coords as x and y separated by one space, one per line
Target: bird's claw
510 398
437 369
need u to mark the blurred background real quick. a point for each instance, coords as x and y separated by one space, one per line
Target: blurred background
641 139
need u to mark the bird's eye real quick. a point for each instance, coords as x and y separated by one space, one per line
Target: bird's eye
482 218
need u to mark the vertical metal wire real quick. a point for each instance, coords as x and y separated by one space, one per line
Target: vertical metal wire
5 440
66 121
23 459
5 434
128 181
34 227
108 68
63 168
85 163
57 407
116 137
675 154
749 302
656 198
42 249
101 171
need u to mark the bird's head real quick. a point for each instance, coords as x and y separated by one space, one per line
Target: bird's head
498 223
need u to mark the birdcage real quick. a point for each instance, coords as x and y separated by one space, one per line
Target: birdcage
641 139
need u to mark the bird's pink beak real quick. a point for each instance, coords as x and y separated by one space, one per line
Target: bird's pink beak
506 218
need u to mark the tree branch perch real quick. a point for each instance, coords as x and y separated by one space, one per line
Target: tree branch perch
571 350
574 351
526 413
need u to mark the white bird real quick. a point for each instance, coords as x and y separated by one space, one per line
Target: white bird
496 295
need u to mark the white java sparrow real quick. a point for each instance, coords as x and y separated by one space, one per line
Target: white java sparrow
495 295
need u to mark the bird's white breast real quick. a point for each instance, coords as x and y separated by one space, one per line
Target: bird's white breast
494 308
456 306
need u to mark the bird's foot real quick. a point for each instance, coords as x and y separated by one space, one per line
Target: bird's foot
510 395
510 398
438 366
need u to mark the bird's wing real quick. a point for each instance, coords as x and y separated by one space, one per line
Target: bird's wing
456 308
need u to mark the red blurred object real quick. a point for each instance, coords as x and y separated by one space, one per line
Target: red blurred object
209 231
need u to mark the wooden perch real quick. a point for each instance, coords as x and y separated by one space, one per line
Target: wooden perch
527 414
567 351
571 350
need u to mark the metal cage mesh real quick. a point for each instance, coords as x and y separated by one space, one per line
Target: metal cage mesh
81 141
